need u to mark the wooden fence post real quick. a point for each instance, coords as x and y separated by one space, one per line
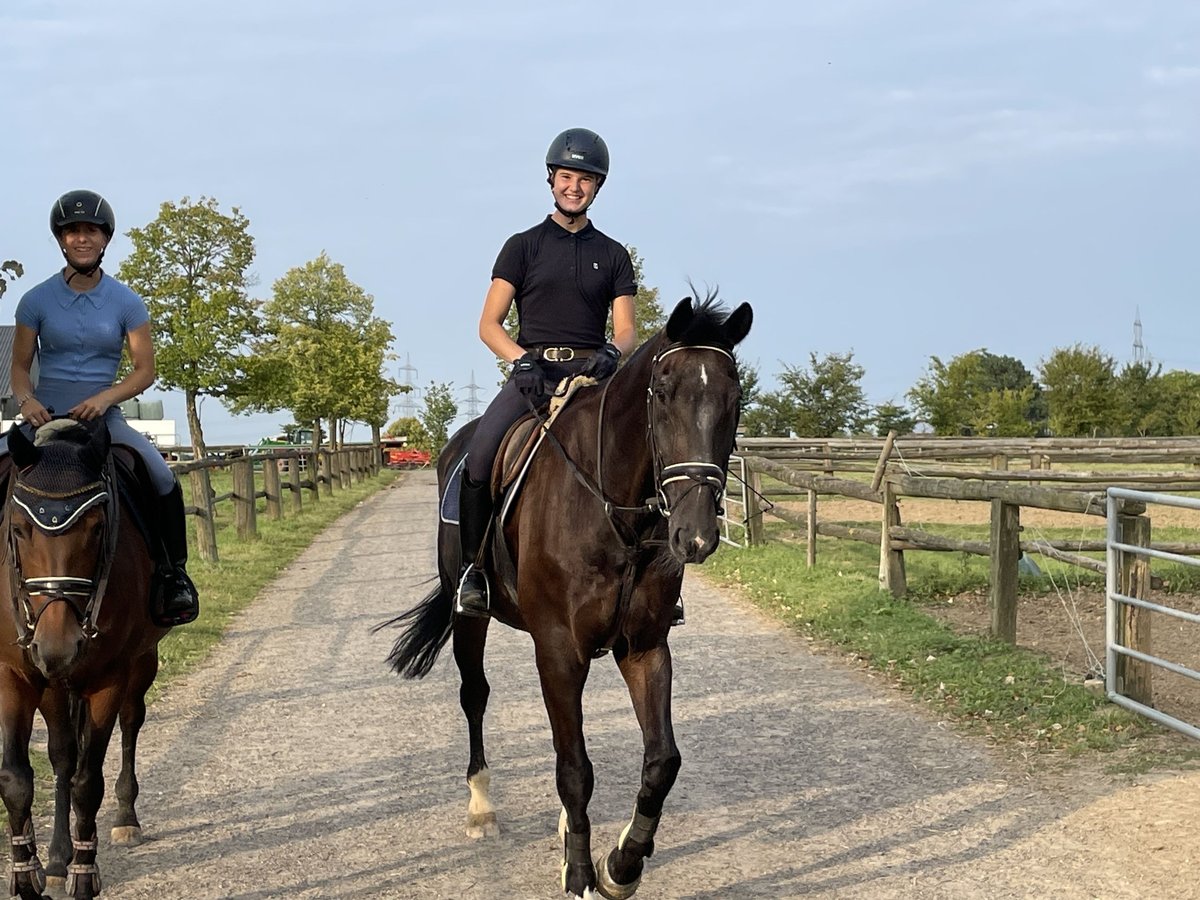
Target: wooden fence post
206 528
811 527
243 498
271 487
1133 623
294 483
754 512
323 465
1005 555
892 577
344 473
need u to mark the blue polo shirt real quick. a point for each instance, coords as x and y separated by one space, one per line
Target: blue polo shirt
80 336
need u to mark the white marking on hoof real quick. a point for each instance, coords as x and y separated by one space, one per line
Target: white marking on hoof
127 835
57 882
481 815
562 826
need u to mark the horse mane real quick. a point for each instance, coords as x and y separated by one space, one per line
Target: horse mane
707 326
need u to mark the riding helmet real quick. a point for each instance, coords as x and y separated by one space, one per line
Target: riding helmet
578 148
82 206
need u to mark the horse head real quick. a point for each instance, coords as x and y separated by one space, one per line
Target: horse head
59 539
693 401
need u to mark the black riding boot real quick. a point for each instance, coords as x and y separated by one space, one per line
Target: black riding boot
174 599
474 515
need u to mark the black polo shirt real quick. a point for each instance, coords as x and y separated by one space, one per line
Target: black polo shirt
565 282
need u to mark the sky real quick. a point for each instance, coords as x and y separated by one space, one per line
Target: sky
896 180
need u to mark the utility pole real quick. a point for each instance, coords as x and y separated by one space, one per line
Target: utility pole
408 405
473 397
1139 350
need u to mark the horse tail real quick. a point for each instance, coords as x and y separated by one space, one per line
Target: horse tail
427 627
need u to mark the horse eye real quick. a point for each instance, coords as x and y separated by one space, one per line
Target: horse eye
660 393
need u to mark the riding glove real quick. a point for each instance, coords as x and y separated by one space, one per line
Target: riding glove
603 362
528 376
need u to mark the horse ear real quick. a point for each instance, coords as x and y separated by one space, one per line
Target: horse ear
24 454
680 318
737 326
99 444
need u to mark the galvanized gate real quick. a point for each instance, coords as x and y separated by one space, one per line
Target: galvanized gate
734 530
1115 599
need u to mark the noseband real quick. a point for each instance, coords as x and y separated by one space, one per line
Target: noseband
53 514
700 473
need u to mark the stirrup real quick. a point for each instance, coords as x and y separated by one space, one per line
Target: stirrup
473 608
677 616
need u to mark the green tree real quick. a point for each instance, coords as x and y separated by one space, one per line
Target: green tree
190 265
9 269
414 433
890 416
771 415
1081 391
973 394
1179 394
322 352
1141 410
439 411
748 379
828 396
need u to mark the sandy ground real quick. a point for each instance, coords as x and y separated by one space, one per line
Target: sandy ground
293 764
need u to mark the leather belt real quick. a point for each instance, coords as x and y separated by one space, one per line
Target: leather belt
563 354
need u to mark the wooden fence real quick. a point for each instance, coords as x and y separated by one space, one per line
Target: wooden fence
940 469
287 475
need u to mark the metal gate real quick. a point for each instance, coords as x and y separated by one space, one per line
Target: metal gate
1116 599
734 530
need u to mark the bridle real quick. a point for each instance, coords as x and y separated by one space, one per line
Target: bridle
700 473
55 513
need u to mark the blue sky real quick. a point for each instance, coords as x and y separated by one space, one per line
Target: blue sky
896 179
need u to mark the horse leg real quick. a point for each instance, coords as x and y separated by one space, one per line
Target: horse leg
97 718
470 637
58 709
563 676
648 676
28 878
126 828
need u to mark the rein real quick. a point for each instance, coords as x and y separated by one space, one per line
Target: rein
54 513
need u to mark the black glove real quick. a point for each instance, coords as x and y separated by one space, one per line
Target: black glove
528 376
603 362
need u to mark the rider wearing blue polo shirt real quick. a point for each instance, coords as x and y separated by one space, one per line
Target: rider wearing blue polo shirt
77 322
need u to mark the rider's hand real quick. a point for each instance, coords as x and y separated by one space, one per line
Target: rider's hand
91 408
603 362
35 414
528 376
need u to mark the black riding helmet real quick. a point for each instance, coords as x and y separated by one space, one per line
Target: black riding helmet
578 148
82 206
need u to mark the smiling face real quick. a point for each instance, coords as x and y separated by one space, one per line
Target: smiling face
573 190
82 242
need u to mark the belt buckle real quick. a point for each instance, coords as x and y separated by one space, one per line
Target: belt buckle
555 354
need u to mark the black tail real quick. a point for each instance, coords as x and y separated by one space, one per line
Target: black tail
426 630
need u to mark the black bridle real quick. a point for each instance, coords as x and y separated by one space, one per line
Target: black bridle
55 513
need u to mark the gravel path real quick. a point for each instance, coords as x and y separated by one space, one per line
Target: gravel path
293 764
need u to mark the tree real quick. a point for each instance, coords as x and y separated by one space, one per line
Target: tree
1081 391
1180 396
190 266
828 396
440 410
973 393
748 379
9 269
771 415
890 416
322 352
414 433
1141 411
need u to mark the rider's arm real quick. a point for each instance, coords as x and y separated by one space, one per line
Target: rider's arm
141 354
624 327
24 346
491 323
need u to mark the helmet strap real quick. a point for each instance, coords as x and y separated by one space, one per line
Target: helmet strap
86 273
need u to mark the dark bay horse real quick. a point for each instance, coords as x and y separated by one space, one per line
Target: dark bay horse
623 492
76 642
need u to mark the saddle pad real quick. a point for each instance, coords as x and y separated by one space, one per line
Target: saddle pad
448 508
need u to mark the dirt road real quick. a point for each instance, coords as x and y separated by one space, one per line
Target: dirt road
293 764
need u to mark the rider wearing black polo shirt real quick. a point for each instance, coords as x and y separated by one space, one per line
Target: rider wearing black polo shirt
563 275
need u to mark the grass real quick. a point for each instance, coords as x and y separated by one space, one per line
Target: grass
1010 694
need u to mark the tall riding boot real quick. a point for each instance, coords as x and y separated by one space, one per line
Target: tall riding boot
474 516
175 601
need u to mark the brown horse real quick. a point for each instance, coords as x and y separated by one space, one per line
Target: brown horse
76 642
589 557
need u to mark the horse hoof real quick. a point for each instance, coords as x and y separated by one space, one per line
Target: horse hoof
483 826
609 888
127 835
56 882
